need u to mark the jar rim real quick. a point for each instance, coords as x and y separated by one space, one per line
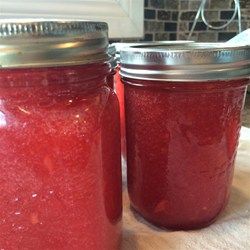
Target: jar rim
187 62
44 43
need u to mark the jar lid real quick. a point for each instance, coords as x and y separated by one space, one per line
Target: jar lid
189 62
38 43
121 46
112 49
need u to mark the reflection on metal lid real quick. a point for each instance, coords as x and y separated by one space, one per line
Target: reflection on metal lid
37 43
188 62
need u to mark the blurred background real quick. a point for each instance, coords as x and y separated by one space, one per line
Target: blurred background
142 20
173 20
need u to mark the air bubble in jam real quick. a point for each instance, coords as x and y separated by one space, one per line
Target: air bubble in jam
48 164
34 218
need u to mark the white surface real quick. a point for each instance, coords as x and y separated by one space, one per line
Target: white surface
244 134
230 232
241 39
125 17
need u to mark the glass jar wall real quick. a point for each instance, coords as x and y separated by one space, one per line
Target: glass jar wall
60 156
181 142
183 116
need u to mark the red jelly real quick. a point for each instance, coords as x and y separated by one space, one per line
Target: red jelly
182 132
119 89
60 155
111 78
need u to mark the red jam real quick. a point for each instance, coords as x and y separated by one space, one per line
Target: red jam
119 89
60 159
181 146
111 78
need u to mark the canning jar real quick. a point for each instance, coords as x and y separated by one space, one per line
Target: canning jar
60 138
119 88
111 77
183 108
113 67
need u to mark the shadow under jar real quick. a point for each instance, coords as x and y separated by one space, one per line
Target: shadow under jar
183 117
60 170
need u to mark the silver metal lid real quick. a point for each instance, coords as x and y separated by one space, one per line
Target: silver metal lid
38 43
112 52
188 62
121 46
112 49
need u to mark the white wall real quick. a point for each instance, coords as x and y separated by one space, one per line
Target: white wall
125 17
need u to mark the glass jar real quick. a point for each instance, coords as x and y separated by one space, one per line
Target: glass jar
183 109
119 87
113 67
60 139
111 77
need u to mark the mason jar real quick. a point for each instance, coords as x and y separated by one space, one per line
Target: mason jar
60 138
183 117
113 66
119 87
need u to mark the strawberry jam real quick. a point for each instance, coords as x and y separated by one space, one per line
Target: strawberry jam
181 146
119 89
60 168
60 160
183 116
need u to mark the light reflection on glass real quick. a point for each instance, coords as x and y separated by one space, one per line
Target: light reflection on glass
3 122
